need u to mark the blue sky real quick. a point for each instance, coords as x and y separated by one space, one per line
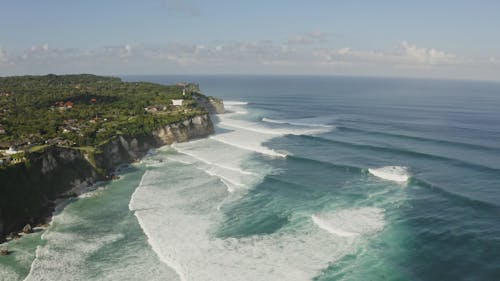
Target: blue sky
438 39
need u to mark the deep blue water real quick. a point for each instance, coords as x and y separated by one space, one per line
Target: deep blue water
295 186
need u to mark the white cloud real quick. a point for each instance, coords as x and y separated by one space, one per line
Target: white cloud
406 54
426 55
36 50
344 51
244 57
264 52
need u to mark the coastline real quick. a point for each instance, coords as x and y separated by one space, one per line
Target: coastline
98 169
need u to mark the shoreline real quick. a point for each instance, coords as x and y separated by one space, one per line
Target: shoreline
121 152
57 205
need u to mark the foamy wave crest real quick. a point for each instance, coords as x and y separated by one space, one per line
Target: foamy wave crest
250 135
184 212
235 107
8 274
231 103
275 131
92 193
298 122
58 260
179 209
231 124
248 141
351 223
392 173
218 159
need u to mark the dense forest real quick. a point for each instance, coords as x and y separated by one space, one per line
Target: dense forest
85 110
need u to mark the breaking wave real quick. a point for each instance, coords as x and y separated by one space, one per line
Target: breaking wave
392 173
178 219
351 223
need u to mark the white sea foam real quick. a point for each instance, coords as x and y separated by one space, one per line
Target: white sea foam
177 209
250 135
179 206
248 141
232 103
72 244
392 173
59 259
205 153
230 123
351 222
92 193
8 274
218 159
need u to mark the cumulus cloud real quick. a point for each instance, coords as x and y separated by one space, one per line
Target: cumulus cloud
239 56
124 51
405 54
264 52
228 53
36 50
426 55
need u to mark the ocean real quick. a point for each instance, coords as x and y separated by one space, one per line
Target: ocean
307 178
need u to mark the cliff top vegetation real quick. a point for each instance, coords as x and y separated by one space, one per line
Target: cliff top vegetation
86 110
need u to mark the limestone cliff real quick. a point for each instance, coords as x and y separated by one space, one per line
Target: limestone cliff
211 104
27 189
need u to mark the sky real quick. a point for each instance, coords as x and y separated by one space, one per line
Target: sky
401 38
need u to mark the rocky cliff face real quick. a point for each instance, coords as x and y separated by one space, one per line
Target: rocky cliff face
125 149
211 104
28 189
199 126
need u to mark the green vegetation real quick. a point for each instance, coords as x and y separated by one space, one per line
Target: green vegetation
85 110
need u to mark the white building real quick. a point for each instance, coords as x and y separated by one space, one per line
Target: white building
11 151
177 102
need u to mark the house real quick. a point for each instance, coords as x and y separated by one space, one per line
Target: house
68 104
177 102
11 151
64 105
151 108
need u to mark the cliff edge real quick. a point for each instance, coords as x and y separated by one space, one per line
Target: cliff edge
29 188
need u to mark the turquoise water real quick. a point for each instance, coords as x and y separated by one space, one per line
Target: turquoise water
307 178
